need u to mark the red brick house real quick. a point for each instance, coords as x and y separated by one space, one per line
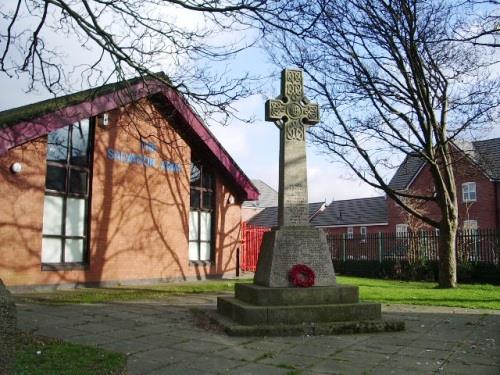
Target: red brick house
477 174
123 183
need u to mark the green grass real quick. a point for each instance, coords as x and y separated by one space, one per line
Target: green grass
127 293
473 296
36 355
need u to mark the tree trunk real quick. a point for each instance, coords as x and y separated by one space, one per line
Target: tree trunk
447 251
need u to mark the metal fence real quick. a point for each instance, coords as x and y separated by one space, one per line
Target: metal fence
250 243
471 246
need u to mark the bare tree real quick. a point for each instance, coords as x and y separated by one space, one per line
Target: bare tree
393 80
118 39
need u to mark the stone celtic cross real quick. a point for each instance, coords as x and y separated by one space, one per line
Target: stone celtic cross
293 113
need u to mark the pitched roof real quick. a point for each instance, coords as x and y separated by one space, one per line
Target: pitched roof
268 197
269 216
406 172
20 125
353 212
486 154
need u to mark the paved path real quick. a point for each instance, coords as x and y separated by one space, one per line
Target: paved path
160 337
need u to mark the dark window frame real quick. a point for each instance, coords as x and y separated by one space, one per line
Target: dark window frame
67 194
200 188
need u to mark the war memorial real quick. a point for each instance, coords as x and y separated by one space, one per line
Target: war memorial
294 290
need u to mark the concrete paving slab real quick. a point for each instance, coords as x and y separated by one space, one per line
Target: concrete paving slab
164 337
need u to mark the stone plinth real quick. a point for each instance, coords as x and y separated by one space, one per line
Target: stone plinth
258 310
285 247
263 296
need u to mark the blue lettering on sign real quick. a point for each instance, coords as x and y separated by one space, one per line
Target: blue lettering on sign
148 146
167 165
130 158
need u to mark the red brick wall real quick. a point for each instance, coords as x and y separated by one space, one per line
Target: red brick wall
484 210
139 215
370 229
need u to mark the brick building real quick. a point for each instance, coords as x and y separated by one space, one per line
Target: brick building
477 175
123 183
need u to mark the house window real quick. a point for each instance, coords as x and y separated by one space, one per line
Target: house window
470 225
469 192
66 205
362 233
201 213
401 230
350 232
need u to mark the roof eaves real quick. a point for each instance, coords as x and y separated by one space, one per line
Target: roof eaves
26 130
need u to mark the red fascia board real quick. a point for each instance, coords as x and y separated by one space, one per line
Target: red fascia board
28 130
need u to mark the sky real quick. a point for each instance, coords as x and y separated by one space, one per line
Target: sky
254 146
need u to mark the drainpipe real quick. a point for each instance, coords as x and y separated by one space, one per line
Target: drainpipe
497 218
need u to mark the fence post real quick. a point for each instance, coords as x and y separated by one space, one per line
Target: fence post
379 247
343 247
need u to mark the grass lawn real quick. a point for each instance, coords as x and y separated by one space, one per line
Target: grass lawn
129 293
36 355
384 291
474 296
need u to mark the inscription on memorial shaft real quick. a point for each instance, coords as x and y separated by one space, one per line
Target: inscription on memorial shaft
292 113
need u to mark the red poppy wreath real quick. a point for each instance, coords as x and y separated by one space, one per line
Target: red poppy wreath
301 276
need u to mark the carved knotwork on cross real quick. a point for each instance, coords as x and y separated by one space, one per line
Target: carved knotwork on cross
292 111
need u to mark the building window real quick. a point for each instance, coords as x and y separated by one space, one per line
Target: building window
469 192
362 233
470 225
350 232
401 230
201 213
66 205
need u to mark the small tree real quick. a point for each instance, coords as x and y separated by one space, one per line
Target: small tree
393 79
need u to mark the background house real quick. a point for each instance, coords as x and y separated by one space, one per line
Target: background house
268 197
477 174
123 183
354 217
268 217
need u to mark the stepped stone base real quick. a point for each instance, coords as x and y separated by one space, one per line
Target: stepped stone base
263 296
310 329
258 310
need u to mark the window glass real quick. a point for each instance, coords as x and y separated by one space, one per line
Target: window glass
193 225
75 217
52 215
470 225
207 181
51 250
201 214
73 251
57 149
55 178
401 230
204 250
205 226
207 199
64 217
350 232
195 175
195 198
469 192
80 143
194 247
78 181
